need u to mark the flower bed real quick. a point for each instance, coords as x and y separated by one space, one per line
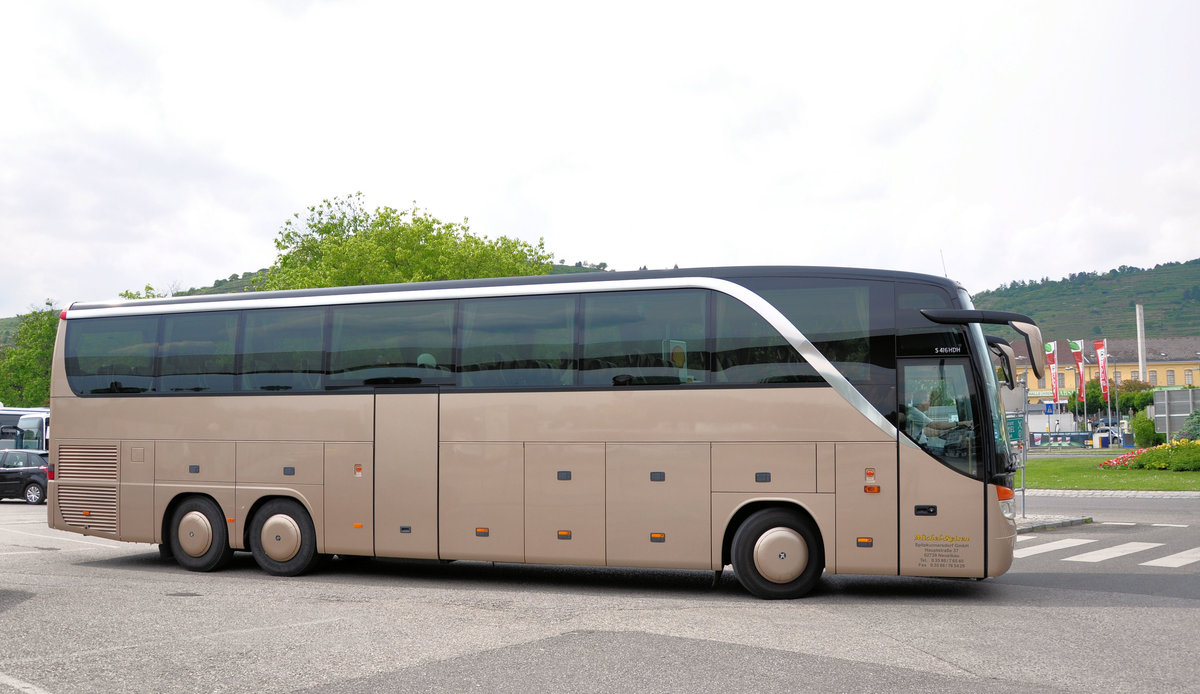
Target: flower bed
1178 455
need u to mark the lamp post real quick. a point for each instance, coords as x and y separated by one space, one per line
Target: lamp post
1024 383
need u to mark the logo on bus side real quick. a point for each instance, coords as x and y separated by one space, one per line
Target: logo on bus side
940 538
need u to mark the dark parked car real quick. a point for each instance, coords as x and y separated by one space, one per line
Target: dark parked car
23 475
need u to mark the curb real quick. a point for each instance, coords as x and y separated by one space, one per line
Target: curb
1030 524
1111 493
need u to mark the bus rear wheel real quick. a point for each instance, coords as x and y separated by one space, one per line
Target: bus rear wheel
199 537
282 538
777 554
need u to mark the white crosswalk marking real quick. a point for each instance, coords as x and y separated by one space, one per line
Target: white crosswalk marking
1168 525
1022 538
1050 547
1114 552
1174 561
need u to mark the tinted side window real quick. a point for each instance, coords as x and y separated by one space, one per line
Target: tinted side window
111 355
645 338
940 412
283 350
518 342
392 344
850 322
747 349
916 335
197 353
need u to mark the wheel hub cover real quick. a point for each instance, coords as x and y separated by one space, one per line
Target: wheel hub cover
195 534
281 537
780 555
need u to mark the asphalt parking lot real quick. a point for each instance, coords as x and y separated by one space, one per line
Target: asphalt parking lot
101 616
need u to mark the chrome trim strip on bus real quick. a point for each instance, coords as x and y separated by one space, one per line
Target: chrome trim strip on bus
760 305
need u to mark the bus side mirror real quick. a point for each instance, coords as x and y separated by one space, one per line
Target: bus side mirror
1021 323
1007 357
1034 344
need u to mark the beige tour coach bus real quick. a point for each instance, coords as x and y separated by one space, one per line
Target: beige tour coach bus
783 420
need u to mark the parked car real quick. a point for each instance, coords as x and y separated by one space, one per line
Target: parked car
23 475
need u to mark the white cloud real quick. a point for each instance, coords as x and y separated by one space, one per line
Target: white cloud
161 143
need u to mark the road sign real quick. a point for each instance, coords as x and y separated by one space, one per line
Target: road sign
1016 429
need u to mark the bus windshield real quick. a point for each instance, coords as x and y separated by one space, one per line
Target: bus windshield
32 432
991 399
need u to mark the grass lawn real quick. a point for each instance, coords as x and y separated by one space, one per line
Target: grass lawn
1085 473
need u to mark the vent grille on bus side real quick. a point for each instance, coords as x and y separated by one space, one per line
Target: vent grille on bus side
94 508
86 463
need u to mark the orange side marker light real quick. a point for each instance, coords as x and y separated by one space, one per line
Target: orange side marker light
871 488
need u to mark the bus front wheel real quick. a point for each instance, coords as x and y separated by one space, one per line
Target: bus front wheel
199 538
777 554
282 538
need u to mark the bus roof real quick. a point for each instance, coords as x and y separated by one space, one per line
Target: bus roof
727 273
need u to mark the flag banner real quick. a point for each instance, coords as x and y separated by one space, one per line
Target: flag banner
1102 362
1077 352
1052 366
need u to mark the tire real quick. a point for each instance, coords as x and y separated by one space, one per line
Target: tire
282 538
777 554
34 493
199 536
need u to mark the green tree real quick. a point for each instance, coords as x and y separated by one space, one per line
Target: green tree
1144 435
25 364
1135 395
341 243
148 293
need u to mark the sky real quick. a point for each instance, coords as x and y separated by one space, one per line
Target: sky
167 143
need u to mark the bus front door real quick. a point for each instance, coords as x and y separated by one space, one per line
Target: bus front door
942 493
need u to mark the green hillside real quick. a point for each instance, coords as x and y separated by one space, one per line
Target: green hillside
8 329
1092 304
236 283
